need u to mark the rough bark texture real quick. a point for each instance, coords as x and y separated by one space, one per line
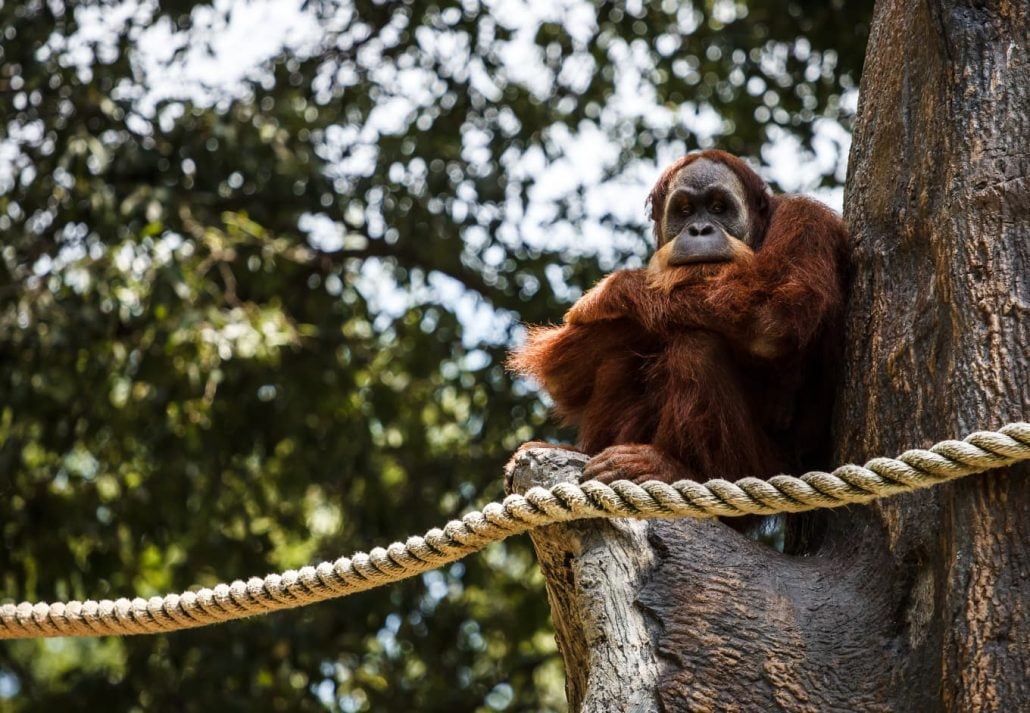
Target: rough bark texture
594 570
918 603
939 204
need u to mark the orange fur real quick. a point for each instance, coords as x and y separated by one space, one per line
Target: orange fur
662 277
708 370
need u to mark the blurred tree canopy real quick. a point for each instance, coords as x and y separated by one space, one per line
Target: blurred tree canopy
260 263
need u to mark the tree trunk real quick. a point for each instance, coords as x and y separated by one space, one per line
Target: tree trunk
939 203
916 603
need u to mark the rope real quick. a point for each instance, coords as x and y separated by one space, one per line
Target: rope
564 502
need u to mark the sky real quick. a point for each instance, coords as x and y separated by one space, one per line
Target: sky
243 34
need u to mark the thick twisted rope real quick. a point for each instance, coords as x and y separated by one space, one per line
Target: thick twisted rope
564 502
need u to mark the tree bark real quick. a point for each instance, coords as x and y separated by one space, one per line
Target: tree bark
594 570
916 603
938 201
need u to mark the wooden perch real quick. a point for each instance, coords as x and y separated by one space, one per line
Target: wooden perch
594 571
690 615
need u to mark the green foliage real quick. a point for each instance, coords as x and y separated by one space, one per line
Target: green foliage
258 321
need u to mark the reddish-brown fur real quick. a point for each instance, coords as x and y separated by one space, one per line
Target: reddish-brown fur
711 370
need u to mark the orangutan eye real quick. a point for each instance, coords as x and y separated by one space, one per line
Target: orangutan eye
718 207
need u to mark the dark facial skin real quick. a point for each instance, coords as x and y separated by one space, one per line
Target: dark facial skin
704 213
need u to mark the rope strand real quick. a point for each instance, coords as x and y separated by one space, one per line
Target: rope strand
880 477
